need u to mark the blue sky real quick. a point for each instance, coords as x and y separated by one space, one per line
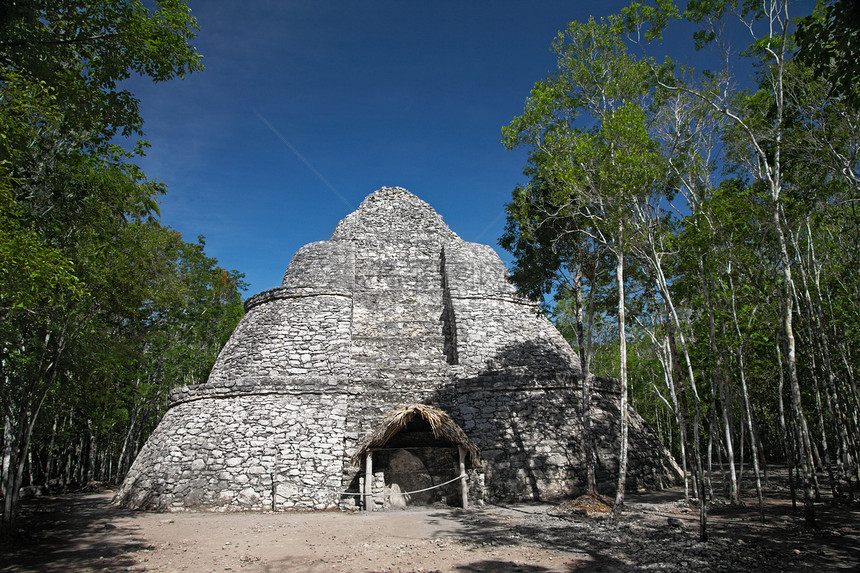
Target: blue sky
306 107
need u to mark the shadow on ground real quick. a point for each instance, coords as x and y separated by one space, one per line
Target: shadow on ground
493 566
83 532
529 525
70 533
644 538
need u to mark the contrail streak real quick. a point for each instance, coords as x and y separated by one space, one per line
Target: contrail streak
490 226
300 156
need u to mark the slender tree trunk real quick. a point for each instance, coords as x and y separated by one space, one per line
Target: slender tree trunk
663 286
853 420
7 451
107 465
753 447
721 382
742 440
720 456
787 444
712 425
728 424
807 465
703 497
837 420
762 455
694 464
121 461
815 369
28 469
681 418
584 359
92 453
70 451
80 465
49 461
822 428
12 480
622 350
747 407
27 420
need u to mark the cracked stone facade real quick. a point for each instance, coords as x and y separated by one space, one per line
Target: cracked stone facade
394 309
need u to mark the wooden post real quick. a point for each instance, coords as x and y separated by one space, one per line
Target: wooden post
368 481
274 493
464 489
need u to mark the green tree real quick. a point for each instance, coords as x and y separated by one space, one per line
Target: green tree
828 41
162 330
761 137
591 150
759 242
70 198
553 255
753 275
81 50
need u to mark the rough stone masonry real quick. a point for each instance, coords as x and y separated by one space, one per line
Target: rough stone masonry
394 309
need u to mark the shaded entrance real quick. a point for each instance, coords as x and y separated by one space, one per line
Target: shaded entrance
417 456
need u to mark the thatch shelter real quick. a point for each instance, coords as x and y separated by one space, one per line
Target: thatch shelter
412 445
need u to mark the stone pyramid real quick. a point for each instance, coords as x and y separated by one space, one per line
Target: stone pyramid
394 309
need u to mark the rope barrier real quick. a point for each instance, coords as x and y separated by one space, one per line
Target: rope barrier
339 493
458 478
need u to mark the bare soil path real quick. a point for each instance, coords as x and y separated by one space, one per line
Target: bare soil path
84 532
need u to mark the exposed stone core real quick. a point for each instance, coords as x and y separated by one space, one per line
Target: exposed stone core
394 309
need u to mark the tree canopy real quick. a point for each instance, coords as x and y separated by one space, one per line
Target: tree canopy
80 50
829 43
732 203
103 310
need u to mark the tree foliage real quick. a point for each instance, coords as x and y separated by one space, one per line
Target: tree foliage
81 50
738 211
829 43
103 310
589 184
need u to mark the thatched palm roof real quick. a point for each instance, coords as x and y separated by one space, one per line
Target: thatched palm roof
444 428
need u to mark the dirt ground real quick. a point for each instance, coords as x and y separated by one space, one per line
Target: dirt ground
84 532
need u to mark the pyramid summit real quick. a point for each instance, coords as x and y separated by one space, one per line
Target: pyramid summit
395 309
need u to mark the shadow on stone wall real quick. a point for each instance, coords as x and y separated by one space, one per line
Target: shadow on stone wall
530 357
524 412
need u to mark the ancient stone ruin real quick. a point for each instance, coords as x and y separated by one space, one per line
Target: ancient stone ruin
394 309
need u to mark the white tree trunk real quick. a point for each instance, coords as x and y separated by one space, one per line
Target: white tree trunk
622 351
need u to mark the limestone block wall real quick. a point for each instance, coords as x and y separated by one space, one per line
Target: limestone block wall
322 267
397 305
288 337
529 436
394 215
394 309
300 329
397 288
235 452
517 335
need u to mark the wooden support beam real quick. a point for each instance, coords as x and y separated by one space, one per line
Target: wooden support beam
464 488
368 480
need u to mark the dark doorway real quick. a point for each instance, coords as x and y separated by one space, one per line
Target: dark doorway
415 460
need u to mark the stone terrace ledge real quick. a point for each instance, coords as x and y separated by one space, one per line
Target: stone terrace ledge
495 381
261 387
281 293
